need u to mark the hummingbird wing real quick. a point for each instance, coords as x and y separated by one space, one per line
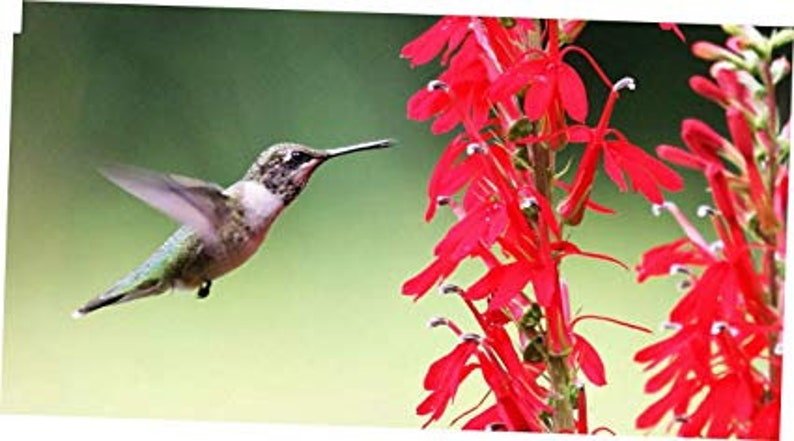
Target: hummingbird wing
200 205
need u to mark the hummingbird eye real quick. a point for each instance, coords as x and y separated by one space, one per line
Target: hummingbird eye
297 157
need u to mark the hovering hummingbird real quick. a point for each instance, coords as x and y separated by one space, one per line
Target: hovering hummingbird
221 228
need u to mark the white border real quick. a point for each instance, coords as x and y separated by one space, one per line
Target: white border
11 13
40 427
760 12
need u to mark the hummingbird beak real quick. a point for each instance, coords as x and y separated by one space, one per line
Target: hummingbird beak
383 143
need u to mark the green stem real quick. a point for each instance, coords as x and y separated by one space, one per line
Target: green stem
562 419
772 291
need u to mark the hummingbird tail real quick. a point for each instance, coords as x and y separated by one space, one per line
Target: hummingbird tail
97 303
114 295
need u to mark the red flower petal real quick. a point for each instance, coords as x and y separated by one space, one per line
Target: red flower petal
487 417
538 97
418 285
658 260
680 157
447 31
572 93
646 173
572 207
443 379
590 361
702 140
654 413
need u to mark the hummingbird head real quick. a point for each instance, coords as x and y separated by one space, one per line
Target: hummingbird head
285 168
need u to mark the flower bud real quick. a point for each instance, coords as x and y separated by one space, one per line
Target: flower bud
735 44
732 29
781 37
507 22
570 29
520 129
749 37
707 89
702 139
740 133
711 52
779 69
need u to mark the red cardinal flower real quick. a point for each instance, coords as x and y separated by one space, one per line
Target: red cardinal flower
444 377
721 366
459 96
646 174
549 80
449 31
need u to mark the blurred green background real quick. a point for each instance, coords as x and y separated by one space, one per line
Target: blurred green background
313 329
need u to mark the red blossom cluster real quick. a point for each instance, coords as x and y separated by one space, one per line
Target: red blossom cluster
510 89
721 364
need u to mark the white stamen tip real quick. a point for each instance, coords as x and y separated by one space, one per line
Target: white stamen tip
717 246
495 427
671 326
705 211
529 203
625 83
778 348
471 336
720 326
656 209
717 327
474 148
77 314
677 268
450 288
437 85
436 322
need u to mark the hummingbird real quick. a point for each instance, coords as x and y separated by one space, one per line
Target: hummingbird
220 228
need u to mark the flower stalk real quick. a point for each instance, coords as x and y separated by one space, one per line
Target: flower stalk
516 101
729 318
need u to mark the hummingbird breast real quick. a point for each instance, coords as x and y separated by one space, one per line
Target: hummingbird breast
254 210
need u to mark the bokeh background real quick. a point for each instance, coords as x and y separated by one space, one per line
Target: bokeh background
313 329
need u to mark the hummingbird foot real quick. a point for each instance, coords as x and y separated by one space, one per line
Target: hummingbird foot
204 290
